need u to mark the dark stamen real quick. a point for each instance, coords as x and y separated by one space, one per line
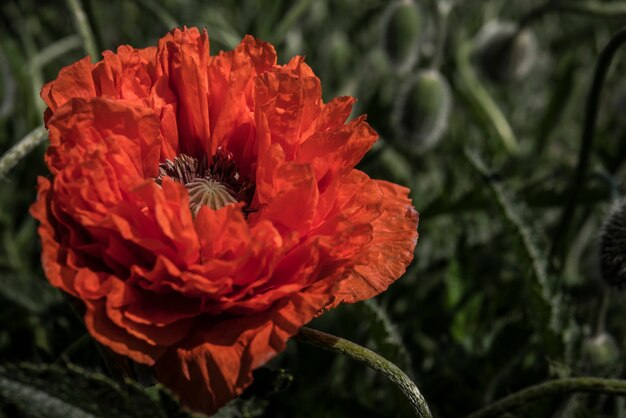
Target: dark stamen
215 184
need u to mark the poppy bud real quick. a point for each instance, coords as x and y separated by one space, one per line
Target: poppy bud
601 353
503 53
613 247
421 111
402 27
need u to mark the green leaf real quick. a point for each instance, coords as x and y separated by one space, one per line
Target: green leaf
55 392
546 305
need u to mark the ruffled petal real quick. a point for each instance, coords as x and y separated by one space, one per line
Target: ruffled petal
286 191
73 81
82 127
385 258
334 153
53 256
183 57
117 339
215 364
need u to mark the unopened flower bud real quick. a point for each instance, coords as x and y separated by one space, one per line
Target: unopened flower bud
613 247
402 27
601 354
503 53
421 111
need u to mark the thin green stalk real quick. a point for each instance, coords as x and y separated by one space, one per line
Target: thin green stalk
83 28
512 213
23 27
161 13
588 133
371 360
590 8
8 87
74 347
381 323
46 55
295 12
21 149
55 50
443 9
481 103
551 388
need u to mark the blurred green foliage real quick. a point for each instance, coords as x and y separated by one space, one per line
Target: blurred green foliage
483 310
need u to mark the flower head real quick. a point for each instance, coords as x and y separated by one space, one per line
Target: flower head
203 208
612 244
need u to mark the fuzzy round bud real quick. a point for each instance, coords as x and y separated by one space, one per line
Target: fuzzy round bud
613 247
601 354
502 53
421 111
402 26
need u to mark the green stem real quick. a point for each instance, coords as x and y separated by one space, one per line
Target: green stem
8 87
43 57
295 12
161 13
551 388
480 101
371 360
21 149
77 345
443 9
613 9
83 28
589 126
55 50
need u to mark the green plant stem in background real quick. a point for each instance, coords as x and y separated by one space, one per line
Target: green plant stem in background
515 213
8 87
512 215
590 8
371 360
55 50
161 13
551 388
295 12
43 57
443 9
83 28
29 48
21 149
589 126
480 102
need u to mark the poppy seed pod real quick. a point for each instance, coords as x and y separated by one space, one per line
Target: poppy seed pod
503 53
601 353
402 27
613 247
421 111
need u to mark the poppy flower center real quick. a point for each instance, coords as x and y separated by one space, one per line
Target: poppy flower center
215 183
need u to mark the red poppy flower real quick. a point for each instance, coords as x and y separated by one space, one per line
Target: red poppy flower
203 208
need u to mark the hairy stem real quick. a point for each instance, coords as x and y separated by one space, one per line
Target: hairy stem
551 388
371 360
83 28
590 8
479 101
589 126
21 149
